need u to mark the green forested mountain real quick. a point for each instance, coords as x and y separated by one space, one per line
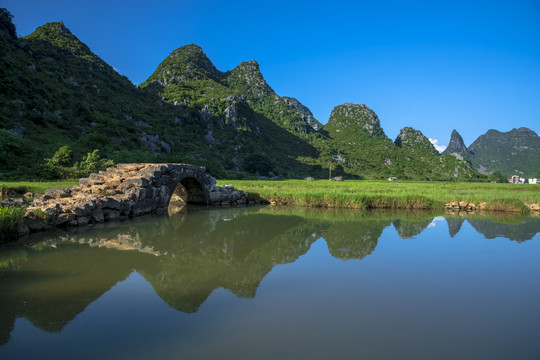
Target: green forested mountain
54 91
516 152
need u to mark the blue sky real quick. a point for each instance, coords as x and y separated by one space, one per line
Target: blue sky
433 65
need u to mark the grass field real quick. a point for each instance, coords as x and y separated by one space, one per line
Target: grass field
361 194
22 187
389 195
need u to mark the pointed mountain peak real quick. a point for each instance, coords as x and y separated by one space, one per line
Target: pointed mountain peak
59 36
414 139
456 146
50 30
186 63
252 65
247 77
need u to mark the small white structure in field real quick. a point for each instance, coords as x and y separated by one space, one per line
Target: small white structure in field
534 181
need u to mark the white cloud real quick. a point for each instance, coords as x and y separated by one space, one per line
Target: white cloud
435 221
440 148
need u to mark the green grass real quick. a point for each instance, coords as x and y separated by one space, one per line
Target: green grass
11 217
22 187
389 195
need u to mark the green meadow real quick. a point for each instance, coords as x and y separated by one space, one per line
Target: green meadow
21 187
361 194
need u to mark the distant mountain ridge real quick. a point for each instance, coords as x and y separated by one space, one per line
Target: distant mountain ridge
513 152
56 92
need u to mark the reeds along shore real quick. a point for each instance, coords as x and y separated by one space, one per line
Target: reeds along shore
393 195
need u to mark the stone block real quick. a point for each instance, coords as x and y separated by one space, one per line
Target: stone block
142 207
97 215
65 218
111 203
111 214
56 193
215 197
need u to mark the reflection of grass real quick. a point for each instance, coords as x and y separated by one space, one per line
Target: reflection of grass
389 195
12 259
13 255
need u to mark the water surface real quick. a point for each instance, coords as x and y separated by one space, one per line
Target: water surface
267 283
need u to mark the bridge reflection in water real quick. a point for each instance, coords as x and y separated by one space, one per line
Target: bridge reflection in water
187 255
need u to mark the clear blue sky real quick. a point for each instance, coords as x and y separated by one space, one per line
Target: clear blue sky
433 65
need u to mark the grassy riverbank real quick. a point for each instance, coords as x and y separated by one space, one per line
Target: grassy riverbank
390 195
362 194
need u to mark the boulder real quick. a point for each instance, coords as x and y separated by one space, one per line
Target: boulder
23 230
56 193
65 218
34 222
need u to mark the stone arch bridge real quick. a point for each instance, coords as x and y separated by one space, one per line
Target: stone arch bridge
129 190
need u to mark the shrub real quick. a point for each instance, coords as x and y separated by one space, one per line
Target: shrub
92 162
62 157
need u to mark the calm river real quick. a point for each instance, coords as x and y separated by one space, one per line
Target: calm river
270 283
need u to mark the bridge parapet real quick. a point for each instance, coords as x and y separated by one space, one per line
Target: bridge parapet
129 190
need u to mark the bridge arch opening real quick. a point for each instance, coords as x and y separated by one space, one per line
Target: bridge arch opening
188 191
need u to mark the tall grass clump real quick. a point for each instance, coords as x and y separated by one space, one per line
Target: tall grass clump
11 217
507 204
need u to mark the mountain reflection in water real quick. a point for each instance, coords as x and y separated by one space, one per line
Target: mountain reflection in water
188 255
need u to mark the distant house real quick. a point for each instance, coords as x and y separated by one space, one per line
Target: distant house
534 181
392 178
515 179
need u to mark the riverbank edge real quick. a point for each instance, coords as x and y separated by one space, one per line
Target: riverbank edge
410 202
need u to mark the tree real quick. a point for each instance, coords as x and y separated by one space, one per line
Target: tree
92 162
497 177
6 24
63 157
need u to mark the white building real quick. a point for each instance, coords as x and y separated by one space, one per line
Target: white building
534 181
